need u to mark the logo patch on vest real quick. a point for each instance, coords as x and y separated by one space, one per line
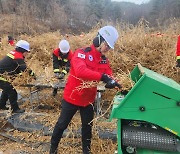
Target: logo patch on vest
90 57
80 55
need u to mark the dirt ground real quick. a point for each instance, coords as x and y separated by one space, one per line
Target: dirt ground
46 111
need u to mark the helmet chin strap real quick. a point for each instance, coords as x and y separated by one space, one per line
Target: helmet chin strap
104 51
99 39
100 47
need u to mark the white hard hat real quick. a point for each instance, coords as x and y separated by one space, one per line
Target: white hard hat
64 46
23 44
110 35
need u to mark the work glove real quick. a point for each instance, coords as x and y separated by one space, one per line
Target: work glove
178 63
59 75
31 73
124 92
110 83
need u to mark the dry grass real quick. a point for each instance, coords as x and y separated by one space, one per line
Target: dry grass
135 45
15 24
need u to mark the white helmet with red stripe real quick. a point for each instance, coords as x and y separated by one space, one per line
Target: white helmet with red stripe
23 44
110 35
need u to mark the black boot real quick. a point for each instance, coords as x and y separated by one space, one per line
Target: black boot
3 100
3 108
86 151
55 91
15 108
53 150
18 110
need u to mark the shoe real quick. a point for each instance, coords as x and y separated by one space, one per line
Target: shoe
4 108
18 111
54 92
86 151
53 151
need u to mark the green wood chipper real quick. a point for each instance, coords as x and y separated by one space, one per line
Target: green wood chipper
148 117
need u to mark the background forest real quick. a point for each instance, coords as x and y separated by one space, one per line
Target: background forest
39 16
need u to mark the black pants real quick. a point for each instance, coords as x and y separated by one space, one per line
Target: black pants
8 93
67 113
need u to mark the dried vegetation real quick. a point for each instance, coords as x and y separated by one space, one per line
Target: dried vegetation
137 44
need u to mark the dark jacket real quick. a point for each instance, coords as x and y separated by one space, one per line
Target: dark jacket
13 63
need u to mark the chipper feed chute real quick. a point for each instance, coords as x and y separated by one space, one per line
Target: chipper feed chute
148 117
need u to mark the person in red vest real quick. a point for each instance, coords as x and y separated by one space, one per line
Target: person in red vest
11 40
12 64
178 52
61 61
0 42
87 65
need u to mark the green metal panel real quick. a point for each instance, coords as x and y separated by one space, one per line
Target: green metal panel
119 136
145 151
168 86
154 98
157 94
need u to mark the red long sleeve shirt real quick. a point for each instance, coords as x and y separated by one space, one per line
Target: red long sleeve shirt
178 48
86 65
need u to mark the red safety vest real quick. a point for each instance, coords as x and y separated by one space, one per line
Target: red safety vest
178 48
56 52
86 65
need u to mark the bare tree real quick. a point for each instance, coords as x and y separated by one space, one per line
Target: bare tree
1 7
58 17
